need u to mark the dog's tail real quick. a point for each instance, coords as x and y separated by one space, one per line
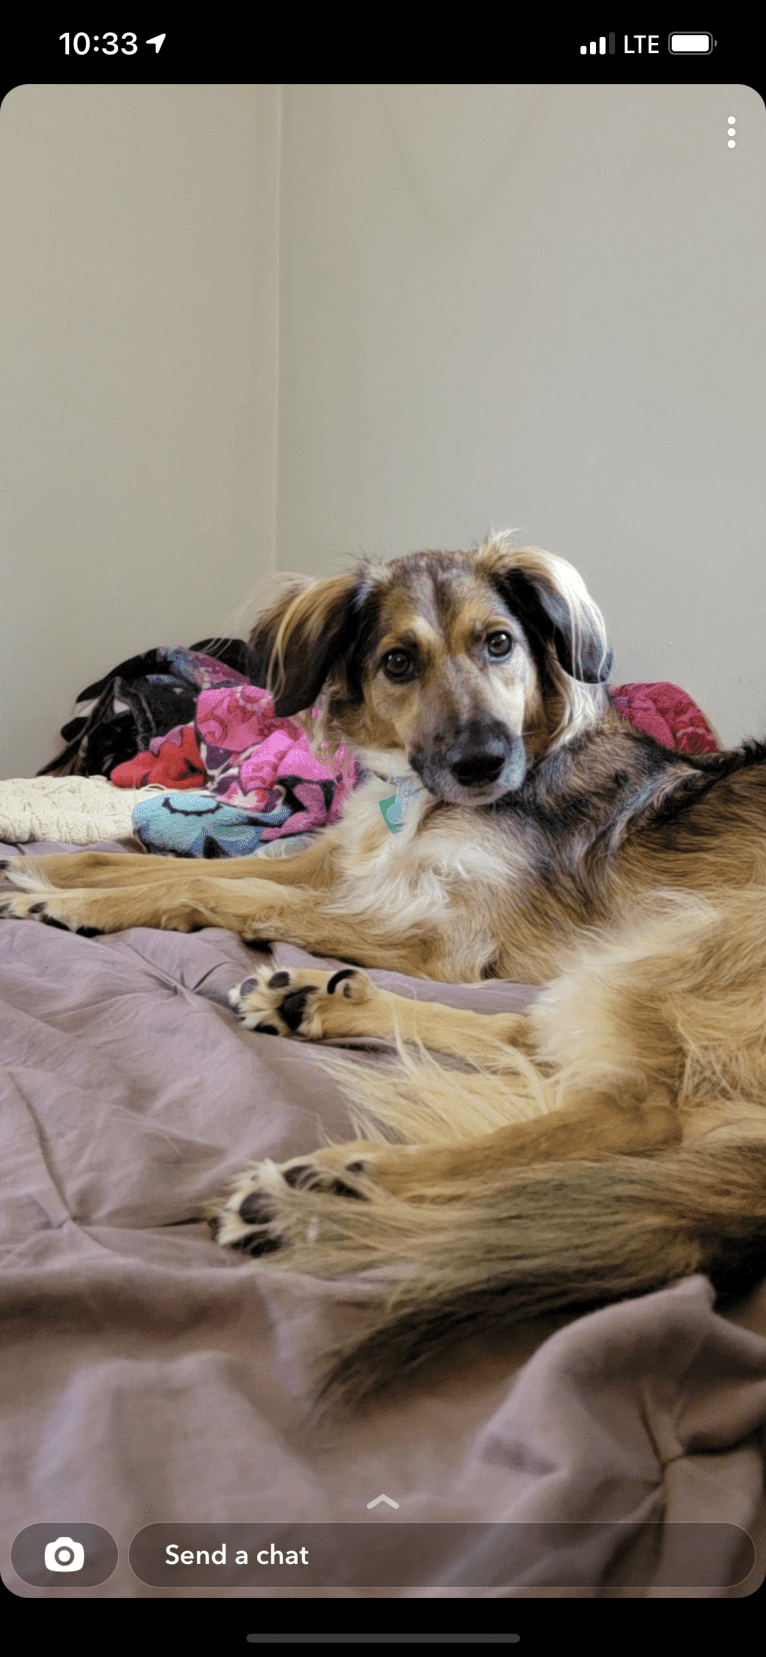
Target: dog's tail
558 1237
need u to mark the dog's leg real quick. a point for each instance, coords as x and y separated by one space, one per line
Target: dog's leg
254 908
311 867
321 1006
265 1212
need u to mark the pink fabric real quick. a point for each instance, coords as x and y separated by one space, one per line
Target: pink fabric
247 750
666 713
239 752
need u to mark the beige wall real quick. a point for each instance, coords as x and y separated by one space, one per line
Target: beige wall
538 306
138 343
243 326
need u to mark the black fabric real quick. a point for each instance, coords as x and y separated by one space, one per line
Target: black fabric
146 696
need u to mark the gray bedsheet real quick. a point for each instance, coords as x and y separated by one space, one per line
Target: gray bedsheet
148 1377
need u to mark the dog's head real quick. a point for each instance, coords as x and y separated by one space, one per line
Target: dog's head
464 668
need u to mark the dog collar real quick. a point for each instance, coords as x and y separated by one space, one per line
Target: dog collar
394 808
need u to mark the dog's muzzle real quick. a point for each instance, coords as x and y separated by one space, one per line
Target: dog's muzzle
484 762
474 765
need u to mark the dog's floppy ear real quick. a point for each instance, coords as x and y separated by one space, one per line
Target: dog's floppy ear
295 642
552 602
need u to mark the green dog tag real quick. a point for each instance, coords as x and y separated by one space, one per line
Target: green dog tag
394 809
388 808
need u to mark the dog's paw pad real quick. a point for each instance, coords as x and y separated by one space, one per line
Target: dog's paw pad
243 1221
296 1002
265 1210
31 907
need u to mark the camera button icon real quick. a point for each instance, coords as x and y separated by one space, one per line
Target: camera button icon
64 1556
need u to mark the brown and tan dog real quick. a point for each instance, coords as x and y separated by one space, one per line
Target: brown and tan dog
510 825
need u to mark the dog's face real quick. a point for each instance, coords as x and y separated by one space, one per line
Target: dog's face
447 664
448 682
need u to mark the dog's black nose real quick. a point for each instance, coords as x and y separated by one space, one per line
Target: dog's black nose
476 760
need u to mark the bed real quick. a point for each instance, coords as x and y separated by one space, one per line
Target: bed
150 1379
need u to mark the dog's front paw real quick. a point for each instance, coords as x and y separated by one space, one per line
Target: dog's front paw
314 1005
53 908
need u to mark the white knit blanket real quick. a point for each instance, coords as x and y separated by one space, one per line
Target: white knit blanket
75 809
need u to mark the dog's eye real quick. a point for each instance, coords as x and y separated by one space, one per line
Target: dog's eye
499 644
397 664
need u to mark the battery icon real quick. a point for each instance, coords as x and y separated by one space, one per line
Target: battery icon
691 45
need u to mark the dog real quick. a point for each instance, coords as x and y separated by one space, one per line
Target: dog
508 825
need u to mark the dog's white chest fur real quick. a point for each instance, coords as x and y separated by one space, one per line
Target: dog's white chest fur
417 870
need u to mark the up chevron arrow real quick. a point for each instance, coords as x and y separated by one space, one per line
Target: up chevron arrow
382 1499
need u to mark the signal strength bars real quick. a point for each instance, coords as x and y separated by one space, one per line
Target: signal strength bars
598 47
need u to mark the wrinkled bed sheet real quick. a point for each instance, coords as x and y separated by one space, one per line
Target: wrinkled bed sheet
147 1376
